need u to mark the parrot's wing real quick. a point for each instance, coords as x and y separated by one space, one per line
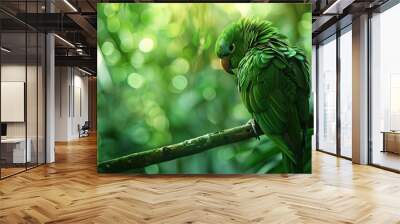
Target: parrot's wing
297 68
300 72
270 88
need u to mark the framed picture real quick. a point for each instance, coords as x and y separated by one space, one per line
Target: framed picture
204 88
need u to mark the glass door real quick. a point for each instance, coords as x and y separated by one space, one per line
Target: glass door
22 78
14 153
346 92
327 95
32 98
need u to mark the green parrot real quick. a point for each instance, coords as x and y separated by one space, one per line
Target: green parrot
274 84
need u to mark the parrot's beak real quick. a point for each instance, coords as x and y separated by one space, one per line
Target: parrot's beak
226 65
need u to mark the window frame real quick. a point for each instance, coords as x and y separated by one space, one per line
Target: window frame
333 37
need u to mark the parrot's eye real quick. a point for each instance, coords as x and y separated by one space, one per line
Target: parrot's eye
232 47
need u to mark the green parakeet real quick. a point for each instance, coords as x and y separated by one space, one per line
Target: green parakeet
274 84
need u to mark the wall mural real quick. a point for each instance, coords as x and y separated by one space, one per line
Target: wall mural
204 88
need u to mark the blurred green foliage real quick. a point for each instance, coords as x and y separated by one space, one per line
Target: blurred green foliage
160 82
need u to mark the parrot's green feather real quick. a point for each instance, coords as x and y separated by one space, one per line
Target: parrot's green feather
274 84
277 85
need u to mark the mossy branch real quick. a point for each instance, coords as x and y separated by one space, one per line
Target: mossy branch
182 149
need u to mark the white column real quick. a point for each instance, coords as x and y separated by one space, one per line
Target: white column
360 90
50 99
50 93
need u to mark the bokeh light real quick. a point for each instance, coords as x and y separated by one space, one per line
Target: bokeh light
135 80
146 44
179 82
107 48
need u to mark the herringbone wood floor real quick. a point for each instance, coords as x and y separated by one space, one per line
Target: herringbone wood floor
70 191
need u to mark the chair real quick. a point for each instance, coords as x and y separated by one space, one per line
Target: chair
84 130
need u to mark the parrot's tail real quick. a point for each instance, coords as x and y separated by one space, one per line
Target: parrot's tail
302 156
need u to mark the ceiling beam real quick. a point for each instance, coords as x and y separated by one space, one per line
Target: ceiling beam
86 27
82 61
47 22
337 6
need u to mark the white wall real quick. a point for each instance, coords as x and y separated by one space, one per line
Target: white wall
80 110
12 73
71 94
62 81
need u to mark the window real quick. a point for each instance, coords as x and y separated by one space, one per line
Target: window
346 92
327 96
385 89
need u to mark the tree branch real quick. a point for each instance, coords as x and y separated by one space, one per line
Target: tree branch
178 150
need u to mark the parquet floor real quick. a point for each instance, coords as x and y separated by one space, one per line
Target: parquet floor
10 171
70 191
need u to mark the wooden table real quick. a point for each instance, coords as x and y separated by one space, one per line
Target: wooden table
391 141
